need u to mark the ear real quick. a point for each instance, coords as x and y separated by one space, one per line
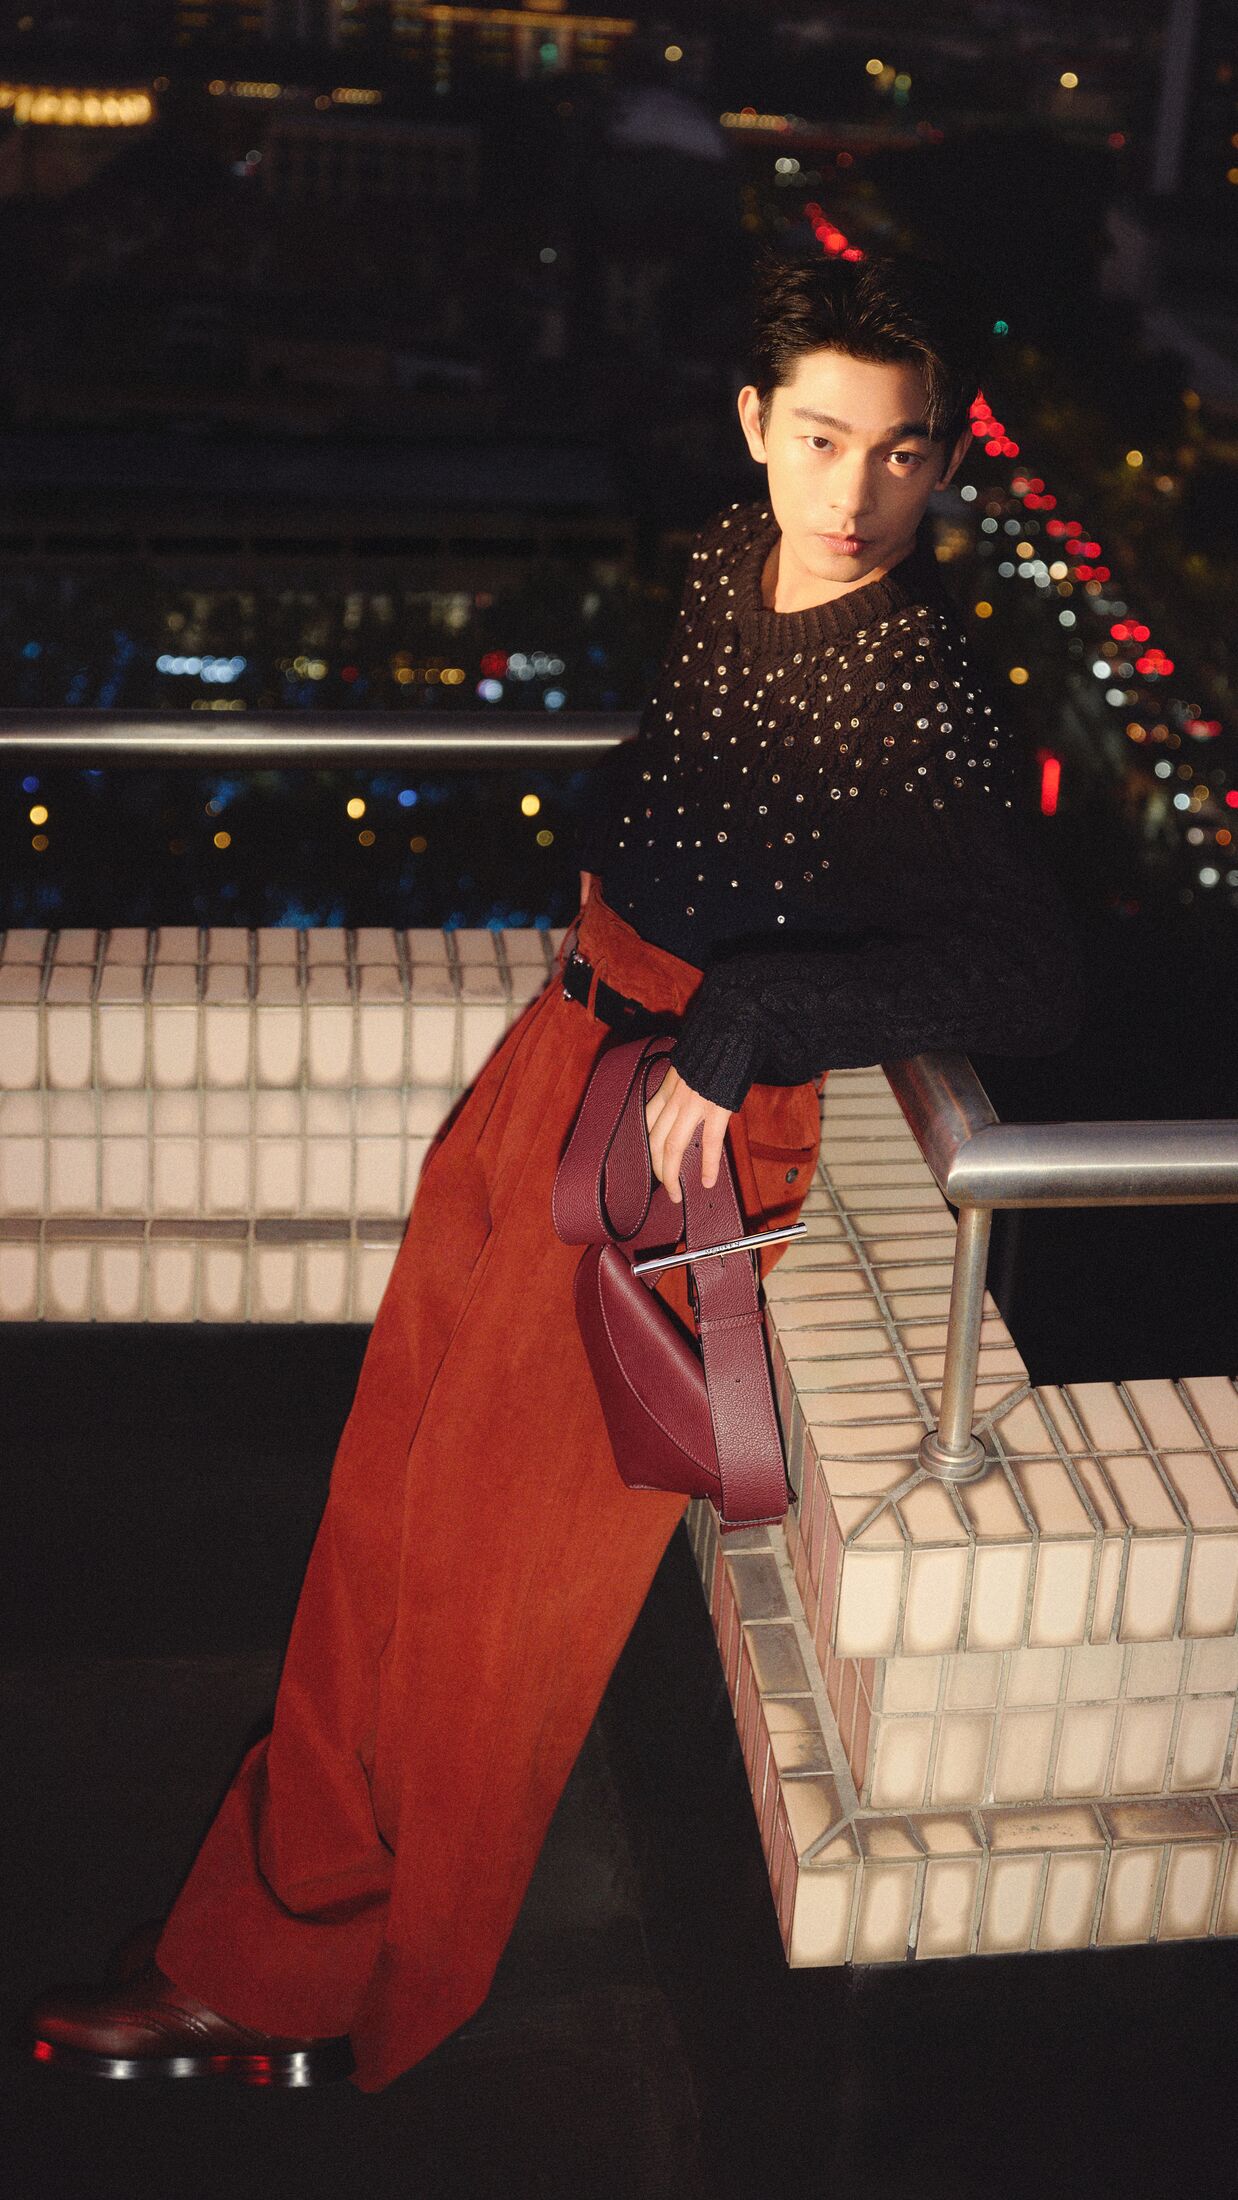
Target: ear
750 421
955 460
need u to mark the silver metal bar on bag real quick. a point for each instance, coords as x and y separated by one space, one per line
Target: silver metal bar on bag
730 1245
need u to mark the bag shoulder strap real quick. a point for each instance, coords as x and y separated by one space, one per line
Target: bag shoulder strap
605 1188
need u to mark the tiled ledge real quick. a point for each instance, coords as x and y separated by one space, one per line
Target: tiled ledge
995 1717
1109 1511
229 1125
857 1884
177 1008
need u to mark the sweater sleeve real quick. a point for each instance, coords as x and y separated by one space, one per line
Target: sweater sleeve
973 948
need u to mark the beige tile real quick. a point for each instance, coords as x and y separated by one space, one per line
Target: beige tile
900 1761
936 1582
1203 1736
822 1915
1190 1885
1153 1586
1213 1666
1060 1595
1051 1499
1171 1818
1142 1493
973 1681
888 1840
909 1684
883 1923
1094 1673
1070 1901
1085 1738
846 1374
996 1613
947 1833
1129 1907
1024 1748
776 1661
1154 1668
1061 1826
1035 1676
963 1741
1227 1922
930 1516
1010 1899
1022 1429
1212 1586
868 1604
1215 1399
1144 1733
948 1907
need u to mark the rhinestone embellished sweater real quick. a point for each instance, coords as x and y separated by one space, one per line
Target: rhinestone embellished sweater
820 812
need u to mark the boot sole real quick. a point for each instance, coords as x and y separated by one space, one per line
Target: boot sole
319 2065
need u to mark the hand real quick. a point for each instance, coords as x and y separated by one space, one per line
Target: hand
671 1117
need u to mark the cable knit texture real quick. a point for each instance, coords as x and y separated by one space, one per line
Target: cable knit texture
820 811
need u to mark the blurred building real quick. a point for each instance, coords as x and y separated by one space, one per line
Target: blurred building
1173 243
56 137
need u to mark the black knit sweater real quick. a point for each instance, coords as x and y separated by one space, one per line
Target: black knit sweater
820 812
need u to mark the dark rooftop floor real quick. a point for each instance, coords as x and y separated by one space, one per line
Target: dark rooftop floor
644 2037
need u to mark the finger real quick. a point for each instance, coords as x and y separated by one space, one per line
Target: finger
711 1157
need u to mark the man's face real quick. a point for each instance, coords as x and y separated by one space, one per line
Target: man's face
849 478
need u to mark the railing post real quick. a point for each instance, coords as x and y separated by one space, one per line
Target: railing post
951 1451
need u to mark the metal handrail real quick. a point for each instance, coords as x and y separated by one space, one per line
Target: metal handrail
980 1163
446 738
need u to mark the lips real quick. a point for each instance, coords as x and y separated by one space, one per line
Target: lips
844 545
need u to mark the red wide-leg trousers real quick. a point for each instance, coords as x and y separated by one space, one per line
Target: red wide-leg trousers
478 1567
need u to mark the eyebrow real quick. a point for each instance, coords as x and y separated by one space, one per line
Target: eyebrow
896 435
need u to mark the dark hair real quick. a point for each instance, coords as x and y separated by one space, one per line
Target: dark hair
886 306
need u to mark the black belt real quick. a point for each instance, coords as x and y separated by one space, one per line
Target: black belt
632 1017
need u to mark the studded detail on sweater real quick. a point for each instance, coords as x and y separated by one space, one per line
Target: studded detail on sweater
820 811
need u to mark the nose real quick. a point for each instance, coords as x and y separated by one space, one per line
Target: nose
850 486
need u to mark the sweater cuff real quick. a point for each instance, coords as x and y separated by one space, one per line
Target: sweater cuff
717 1052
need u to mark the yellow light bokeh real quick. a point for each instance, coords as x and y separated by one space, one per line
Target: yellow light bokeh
874 68
39 841
1019 675
418 844
983 610
530 804
38 815
355 806
366 838
1068 80
223 840
1134 458
544 838
1024 550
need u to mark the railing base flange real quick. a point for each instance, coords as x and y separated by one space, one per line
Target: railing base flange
949 1466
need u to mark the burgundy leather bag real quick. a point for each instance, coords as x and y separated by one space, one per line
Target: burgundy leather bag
705 1422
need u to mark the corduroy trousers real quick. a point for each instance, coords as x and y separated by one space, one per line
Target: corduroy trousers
477 1569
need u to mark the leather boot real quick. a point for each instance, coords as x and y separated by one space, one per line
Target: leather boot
146 2027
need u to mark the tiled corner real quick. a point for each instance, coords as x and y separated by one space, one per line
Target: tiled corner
1000 1673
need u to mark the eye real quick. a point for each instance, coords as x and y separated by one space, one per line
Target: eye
916 457
816 439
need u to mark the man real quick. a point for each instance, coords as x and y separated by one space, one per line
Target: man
806 859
